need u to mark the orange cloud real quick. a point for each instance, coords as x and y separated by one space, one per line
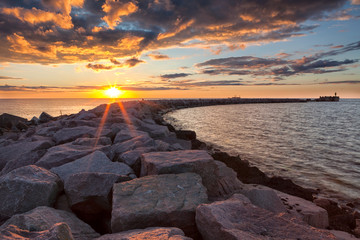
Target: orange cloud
115 10
20 45
64 5
177 29
35 16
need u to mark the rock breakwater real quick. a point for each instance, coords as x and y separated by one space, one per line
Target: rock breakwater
120 171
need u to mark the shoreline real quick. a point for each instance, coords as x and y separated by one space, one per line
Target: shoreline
148 115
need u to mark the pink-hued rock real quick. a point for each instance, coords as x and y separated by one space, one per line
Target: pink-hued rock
26 188
266 199
167 200
127 134
216 176
70 134
308 211
60 231
238 218
156 233
96 162
136 142
44 218
21 154
65 153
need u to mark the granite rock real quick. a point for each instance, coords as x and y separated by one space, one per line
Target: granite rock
237 218
136 142
44 218
65 153
147 234
96 162
127 134
266 199
60 231
89 195
45 117
9 121
216 177
30 152
26 188
70 134
167 200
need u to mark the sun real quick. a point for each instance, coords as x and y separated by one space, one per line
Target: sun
113 92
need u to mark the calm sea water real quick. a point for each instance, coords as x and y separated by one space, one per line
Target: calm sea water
28 108
316 144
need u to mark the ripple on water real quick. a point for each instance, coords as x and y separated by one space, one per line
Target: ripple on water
316 144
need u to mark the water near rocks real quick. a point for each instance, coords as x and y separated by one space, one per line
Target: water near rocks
316 144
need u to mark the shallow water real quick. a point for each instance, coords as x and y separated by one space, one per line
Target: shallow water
316 144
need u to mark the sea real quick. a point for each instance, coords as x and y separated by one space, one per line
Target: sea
316 144
28 108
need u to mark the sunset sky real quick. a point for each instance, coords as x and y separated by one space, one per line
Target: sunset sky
179 48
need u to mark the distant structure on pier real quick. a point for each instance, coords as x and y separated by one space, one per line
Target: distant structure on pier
334 98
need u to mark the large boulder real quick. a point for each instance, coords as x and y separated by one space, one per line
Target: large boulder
147 234
238 218
85 115
167 200
127 134
9 121
155 131
89 195
60 231
26 188
44 218
216 177
45 117
133 156
70 134
96 162
136 142
22 153
65 153
275 201
92 141
266 199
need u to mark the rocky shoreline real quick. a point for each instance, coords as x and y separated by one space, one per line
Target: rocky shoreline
119 171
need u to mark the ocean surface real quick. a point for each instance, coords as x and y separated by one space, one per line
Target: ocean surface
316 144
28 108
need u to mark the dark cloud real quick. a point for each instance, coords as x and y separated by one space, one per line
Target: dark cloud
342 82
69 31
280 67
175 75
9 78
129 63
216 83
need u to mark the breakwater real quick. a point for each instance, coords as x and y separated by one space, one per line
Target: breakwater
119 171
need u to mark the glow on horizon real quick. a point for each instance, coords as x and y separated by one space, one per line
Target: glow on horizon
148 51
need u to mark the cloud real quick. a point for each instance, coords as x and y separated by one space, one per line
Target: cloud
9 78
129 63
175 75
158 56
342 82
116 9
73 31
12 88
280 67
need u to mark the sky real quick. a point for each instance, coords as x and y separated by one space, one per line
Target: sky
180 48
